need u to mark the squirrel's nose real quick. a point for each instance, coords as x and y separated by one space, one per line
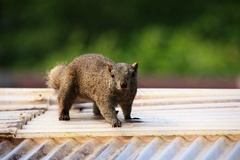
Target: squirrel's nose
124 85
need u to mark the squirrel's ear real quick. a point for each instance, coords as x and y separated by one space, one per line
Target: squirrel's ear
135 66
109 67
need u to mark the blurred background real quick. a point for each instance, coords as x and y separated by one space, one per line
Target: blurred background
178 44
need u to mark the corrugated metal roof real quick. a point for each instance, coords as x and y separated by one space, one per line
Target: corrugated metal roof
192 119
121 148
174 124
18 106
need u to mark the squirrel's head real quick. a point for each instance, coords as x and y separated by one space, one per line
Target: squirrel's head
123 76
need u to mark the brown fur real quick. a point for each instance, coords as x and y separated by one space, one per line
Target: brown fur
96 77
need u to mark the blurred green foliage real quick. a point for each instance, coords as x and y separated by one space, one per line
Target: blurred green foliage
188 37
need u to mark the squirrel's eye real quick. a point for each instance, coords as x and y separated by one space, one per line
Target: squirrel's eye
133 74
112 75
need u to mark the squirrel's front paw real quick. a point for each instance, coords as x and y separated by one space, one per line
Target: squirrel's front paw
116 123
64 117
130 118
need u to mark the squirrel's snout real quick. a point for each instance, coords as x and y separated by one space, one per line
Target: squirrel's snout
124 85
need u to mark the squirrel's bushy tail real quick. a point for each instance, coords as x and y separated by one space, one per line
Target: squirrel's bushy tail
54 76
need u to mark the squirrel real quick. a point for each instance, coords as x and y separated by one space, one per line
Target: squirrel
99 79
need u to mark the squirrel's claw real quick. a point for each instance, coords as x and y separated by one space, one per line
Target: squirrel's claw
64 117
134 120
116 123
129 118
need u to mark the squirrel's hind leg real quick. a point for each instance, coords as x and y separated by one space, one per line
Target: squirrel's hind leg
66 96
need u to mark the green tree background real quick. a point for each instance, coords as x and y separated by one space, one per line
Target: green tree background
167 38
